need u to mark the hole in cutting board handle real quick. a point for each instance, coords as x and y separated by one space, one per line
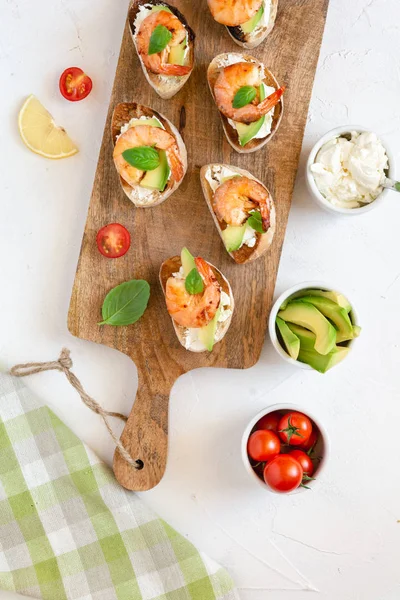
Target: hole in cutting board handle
139 464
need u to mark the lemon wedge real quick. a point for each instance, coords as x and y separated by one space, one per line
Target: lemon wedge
40 134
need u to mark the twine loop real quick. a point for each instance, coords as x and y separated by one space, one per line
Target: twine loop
65 364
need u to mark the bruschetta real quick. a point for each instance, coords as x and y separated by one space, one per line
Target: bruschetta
248 22
199 301
242 208
248 98
164 43
149 154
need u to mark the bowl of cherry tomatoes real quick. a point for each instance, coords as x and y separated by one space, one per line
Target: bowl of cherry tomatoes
284 449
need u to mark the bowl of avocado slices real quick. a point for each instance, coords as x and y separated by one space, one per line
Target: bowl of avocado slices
313 326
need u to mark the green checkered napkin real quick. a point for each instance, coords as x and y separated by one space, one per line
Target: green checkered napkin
69 531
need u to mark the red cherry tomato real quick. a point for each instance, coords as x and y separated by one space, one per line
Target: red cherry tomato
295 428
113 240
269 421
304 460
263 445
283 473
310 443
75 85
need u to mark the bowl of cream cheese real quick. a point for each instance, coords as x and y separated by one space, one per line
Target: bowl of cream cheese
346 170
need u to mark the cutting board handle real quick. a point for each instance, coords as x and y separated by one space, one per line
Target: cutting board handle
145 436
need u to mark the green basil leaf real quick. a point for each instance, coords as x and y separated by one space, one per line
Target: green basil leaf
144 158
194 283
159 39
255 221
126 303
244 96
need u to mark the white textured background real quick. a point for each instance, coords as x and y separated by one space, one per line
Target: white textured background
342 539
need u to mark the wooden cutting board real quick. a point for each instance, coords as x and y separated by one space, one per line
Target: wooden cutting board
291 52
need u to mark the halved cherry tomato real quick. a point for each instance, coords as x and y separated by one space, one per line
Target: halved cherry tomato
75 84
283 474
295 428
269 421
310 443
263 445
304 460
113 240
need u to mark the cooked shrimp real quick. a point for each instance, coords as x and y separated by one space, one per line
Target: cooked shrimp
145 135
236 197
193 310
233 12
228 83
156 63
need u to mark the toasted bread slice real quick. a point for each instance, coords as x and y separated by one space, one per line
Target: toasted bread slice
123 113
263 240
214 69
172 265
254 39
166 86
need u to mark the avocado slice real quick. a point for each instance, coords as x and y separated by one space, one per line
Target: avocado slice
334 313
356 330
152 122
157 179
247 132
323 363
306 337
177 54
187 261
233 237
291 341
252 23
160 7
308 355
306 315
230 177
334 296
207 333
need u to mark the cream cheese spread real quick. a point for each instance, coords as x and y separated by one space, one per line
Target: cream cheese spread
144 11
249 238
229 59
351 173
216 174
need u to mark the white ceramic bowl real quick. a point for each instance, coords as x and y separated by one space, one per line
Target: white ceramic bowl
322 448
312 186
307 285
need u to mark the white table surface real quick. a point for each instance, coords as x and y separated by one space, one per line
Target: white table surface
342 539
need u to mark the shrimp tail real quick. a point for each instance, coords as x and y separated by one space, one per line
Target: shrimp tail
205 270
265 220
175 163
265 214
271 101
177 70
